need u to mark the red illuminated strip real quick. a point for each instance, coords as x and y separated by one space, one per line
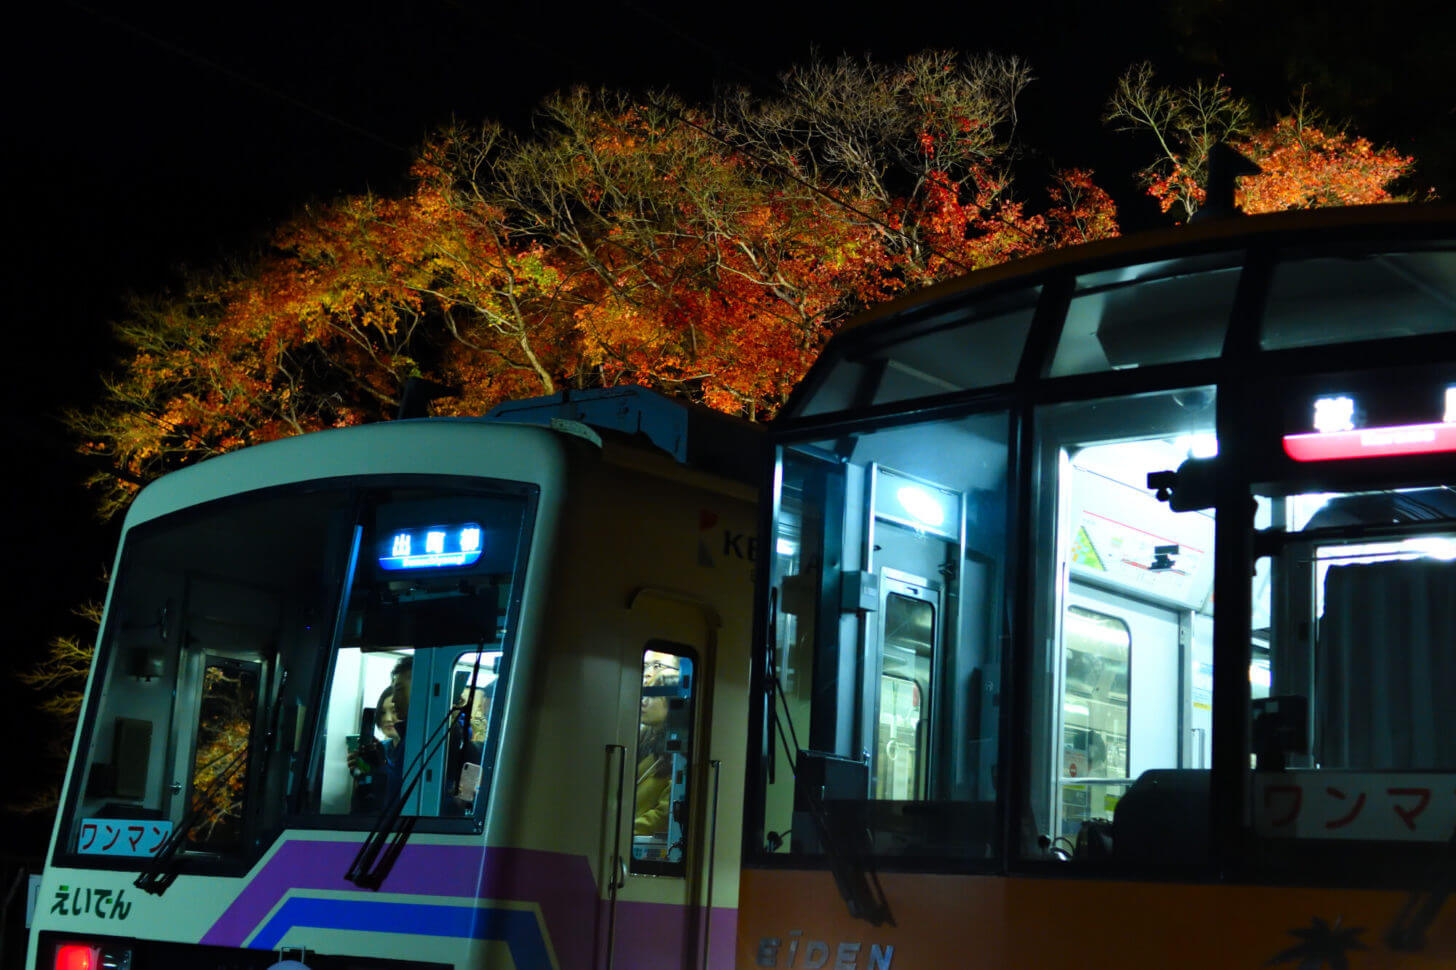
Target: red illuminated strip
1408 439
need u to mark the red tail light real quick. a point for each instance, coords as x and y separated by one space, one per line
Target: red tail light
77 956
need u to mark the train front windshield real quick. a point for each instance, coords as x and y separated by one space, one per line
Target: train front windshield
298 654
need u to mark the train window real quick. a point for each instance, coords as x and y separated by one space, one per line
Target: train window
889 582
1121 702
664 760
1335 297
412 686
928 355
229 621
227 716
1354 614
214 631
1156 313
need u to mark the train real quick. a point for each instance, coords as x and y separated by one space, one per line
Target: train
1091 609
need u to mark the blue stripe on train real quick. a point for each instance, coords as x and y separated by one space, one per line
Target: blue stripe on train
518 929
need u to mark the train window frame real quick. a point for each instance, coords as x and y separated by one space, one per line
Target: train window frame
1302 540
1088 452
291 695
968 815
1081 351
868 371
682 777
1242 373
433 753
212 660
1273 335
147 663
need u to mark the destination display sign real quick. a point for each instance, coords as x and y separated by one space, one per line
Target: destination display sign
432 547
1341 431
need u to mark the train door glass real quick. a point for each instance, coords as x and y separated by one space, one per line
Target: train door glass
1121 703
1354 612
907 636
663 760
227 714
1094 715
663 851
888 581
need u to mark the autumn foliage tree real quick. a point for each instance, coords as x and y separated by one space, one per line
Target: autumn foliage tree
1304 162
705 251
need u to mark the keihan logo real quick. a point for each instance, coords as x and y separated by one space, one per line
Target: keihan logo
729 544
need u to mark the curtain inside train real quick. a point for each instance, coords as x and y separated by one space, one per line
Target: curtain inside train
1385 667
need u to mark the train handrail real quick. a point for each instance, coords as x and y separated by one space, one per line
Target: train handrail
617 878
717 766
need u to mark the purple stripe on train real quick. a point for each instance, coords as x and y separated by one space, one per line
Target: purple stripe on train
648 934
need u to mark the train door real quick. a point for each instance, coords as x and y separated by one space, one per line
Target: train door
221 681
1121 711
915 531
899 701
665 806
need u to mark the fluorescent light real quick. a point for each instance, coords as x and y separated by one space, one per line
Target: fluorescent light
1203 445
921 505
1334 414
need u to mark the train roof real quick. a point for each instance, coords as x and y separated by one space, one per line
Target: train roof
518 441
928 308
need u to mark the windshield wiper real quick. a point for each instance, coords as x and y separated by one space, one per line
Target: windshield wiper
1408 932
163 870
373 862
857 883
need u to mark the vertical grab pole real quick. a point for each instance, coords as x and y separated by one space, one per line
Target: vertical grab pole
717 767
617 877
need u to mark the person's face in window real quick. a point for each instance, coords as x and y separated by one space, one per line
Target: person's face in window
479 710
658 669
387 719
401 697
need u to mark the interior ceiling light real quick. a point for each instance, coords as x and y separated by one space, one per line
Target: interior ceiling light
921 505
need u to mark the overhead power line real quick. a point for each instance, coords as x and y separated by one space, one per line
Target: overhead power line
238 76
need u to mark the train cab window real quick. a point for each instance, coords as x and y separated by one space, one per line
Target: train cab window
1121 701
412 689
214 631
889 590
1354 614
239 629
1326 297
1156 313
664 760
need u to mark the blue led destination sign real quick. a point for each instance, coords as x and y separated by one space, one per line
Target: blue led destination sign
433 547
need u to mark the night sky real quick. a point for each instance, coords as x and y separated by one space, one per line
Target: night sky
144 139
